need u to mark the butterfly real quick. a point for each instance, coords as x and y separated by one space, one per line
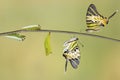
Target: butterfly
71 53
95 20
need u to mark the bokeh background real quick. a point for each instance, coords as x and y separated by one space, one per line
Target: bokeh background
100 58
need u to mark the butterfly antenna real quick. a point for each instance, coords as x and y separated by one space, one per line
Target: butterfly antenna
112 14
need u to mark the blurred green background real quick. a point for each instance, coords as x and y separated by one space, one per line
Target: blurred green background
100 59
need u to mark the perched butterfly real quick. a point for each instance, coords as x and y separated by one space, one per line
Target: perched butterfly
95 20
71 53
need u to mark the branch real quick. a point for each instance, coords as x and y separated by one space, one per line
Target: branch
59 31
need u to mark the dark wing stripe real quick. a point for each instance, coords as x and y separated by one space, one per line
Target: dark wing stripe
88 14
89 21
95 10
91 30
90 11
77 61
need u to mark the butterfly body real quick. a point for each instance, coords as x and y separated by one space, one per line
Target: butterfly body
95 20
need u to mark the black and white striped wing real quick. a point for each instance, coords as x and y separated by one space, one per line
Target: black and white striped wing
92 11
93 18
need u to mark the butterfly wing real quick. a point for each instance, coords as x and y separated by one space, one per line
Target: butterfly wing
71 53
94 19
92 11
75 60
73 63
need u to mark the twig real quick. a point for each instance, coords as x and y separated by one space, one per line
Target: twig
59 31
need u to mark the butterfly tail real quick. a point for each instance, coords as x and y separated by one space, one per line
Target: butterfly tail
66 65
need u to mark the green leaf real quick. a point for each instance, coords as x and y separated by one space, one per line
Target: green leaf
47 45
16 36
32 28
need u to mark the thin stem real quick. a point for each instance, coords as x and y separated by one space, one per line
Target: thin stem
59 31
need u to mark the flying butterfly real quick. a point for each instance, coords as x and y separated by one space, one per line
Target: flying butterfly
95 20
71 53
